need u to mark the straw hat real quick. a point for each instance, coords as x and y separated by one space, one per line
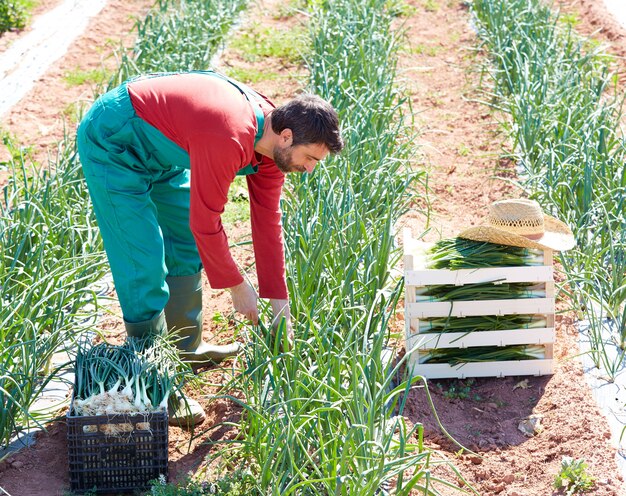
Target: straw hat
521 223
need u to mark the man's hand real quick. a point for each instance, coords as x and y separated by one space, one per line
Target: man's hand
245 301
280 308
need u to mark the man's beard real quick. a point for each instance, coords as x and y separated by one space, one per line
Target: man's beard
283 160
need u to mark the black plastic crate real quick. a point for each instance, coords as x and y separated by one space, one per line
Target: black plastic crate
118 453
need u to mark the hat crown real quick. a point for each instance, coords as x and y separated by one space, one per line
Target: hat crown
519 216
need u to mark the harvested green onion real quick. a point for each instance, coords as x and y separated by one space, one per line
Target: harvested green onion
481 323
136 377
455 356
480 291
459 253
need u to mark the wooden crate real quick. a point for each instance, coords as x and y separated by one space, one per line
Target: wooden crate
417 277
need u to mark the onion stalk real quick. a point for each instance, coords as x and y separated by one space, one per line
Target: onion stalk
480 291
459 253
481 323
456 356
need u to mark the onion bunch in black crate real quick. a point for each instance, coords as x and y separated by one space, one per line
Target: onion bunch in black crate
139 376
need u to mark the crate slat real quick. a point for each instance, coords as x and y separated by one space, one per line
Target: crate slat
427 277
435 309
483 369
509 337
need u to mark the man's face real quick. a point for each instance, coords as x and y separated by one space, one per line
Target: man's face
299 158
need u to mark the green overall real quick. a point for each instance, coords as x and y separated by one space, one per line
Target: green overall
139 183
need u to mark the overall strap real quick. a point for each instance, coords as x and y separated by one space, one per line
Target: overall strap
250 95
254 100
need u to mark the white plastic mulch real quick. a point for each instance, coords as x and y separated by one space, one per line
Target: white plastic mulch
610 395
618 9
29 57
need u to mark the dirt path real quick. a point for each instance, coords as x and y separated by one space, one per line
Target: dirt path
460 144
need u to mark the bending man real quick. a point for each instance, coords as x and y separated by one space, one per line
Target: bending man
159 154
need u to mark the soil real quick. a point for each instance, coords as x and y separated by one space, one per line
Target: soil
461 145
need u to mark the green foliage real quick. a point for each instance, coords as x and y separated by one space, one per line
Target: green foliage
288 9
73 112
463 150
240 482
188 487
250 76
238 207
323 413
221 322
78 76
573 476
258 42
13 14
238 211
179 35
50 254
570 19
431 5
425 49
16 152
400 8
458 390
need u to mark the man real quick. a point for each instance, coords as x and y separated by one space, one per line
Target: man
159 154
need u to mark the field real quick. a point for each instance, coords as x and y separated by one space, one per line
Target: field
420 98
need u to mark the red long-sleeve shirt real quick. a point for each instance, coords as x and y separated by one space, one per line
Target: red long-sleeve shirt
215 123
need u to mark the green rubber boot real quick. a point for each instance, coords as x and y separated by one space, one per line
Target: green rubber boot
155 325
182 411
183 313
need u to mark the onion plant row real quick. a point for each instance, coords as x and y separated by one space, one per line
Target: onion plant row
179 35
50 255
324 415
50 249
559 91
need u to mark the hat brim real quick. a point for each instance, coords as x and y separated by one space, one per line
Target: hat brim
557 236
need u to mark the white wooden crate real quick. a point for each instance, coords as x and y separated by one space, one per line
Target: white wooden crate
417 277
484 369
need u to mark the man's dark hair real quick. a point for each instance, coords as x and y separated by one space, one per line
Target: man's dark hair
311 119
